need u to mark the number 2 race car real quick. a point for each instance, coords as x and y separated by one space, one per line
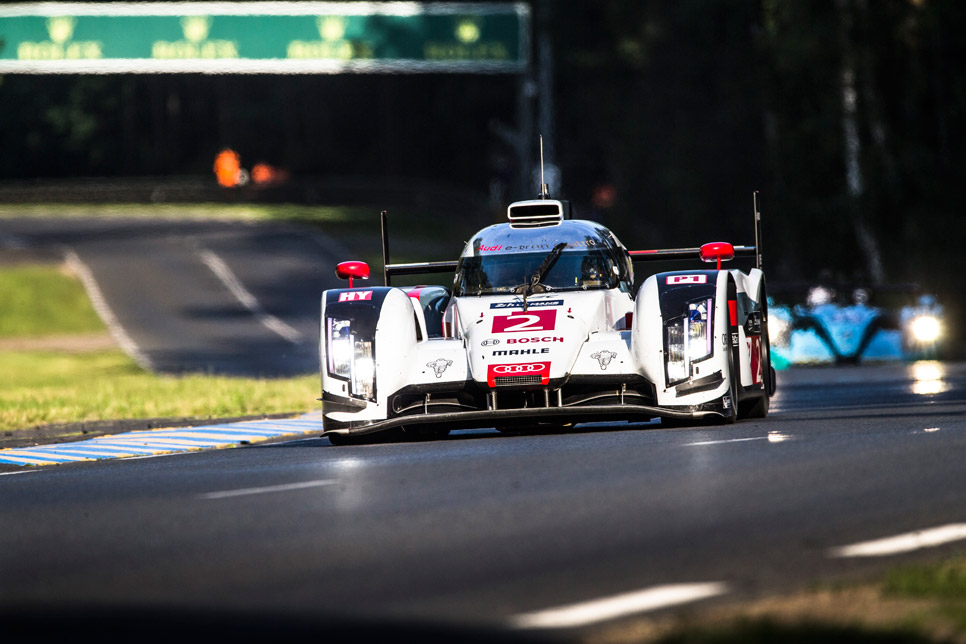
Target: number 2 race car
542 327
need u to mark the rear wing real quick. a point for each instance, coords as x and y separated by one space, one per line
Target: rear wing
416 268
692 253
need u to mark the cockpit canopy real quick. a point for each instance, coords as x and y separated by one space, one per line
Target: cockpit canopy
503 259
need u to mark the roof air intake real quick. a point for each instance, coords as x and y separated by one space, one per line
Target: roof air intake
535 214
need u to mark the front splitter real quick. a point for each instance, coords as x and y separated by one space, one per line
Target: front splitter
491 417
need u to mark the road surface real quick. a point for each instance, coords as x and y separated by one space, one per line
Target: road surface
500 537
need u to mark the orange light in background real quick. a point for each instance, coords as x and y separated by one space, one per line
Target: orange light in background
262 174
605 196
228 168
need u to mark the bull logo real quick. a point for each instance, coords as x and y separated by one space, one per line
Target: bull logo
518 369
603 358
439 365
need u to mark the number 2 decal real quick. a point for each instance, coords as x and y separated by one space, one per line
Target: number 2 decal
527 325
541 320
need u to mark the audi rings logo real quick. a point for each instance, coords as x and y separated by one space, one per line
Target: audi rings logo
489 343
520 369
505 375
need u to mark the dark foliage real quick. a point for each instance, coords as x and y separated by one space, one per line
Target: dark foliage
668 115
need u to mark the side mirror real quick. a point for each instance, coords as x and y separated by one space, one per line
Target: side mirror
348 270
717 251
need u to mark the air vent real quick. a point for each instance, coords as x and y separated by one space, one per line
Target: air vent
510 381
535 214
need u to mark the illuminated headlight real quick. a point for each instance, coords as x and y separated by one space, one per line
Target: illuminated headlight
925 328
350 358
689 340
340 347
777 330
677 364
363 369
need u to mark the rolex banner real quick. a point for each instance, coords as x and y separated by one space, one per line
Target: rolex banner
263 37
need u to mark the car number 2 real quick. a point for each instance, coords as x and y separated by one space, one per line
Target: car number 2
543 320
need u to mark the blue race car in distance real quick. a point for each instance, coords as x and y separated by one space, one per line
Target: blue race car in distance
828 329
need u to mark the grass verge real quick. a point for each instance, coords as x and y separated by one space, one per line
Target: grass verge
71 384
43 300
43 387
909 603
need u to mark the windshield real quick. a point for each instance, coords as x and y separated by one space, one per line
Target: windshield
574 270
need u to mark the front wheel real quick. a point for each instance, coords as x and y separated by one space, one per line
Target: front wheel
731 398
758 407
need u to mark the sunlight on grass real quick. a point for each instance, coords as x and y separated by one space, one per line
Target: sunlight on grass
44 387
43 300
946 580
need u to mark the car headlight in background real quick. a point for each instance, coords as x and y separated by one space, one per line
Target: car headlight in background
350 358
689 340
925 329
778 329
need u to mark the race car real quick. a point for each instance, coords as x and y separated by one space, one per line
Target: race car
828 329
542 328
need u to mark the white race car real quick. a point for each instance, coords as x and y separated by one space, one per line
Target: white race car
542 327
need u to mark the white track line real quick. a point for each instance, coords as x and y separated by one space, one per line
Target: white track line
599 610
233 284
901 543
725 441
263 490
104 311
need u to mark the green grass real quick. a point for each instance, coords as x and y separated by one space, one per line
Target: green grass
41 388
943 580
908 603
46 387
942 583
41 300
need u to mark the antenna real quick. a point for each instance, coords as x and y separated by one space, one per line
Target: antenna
754 199
544 188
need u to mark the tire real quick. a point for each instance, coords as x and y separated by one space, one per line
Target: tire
758 408
732 414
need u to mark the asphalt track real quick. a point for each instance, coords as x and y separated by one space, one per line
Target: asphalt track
213 297
492 536
481 536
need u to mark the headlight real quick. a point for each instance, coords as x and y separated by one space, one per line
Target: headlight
925 328
777 330
350 358
689 340
340 347
363 370
677 363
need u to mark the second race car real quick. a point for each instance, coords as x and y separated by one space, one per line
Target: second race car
542 326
